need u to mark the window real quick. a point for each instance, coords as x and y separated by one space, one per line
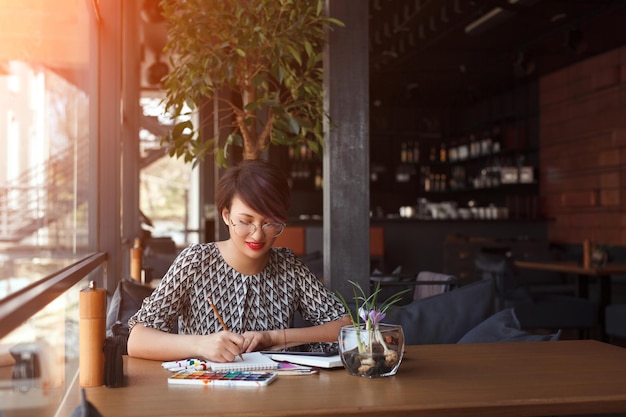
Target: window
44 120
45 194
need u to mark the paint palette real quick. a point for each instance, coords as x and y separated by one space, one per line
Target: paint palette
231 379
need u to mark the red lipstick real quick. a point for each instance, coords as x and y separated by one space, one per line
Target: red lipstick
255 245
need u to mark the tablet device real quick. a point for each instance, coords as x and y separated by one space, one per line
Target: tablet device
309 349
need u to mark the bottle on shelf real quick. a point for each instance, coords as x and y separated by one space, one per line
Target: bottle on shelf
429 182
425 177
452 152
319 181
409 152
485 144
457 181
463 150
496 137
474 150
416 151
433 154
443 154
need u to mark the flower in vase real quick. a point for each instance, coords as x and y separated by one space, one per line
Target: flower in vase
374 316
369 315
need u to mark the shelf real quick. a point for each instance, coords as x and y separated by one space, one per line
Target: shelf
507 153
494 146
509 188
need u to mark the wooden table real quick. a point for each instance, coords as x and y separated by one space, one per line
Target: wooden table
512 379
603 274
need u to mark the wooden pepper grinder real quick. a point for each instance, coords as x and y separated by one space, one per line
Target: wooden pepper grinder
92 328
136 254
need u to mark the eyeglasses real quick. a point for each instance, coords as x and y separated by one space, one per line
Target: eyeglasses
243 229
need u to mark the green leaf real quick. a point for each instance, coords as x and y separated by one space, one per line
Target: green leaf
294 125
234 139
309 48
220 158
294 53
335 22
216 45
180 127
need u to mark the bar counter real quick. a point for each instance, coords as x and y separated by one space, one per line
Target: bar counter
419 245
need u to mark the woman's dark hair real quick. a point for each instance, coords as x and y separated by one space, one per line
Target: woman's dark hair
260 185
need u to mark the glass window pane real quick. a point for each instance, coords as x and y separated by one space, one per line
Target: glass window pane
44 135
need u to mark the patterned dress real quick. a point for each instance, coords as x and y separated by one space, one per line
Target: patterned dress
263 301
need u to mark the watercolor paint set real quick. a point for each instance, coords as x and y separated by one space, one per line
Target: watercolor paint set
234 378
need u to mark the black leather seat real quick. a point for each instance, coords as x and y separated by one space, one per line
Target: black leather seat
615 321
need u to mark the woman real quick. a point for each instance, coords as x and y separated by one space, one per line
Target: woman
255 288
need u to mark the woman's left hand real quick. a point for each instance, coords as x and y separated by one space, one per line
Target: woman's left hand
262 340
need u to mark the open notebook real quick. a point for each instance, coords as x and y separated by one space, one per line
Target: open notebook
252 361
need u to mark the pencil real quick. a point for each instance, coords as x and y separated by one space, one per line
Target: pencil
219 317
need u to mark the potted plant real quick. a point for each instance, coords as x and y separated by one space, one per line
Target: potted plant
255 64
367 347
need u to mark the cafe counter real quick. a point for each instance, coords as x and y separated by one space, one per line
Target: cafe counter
431 245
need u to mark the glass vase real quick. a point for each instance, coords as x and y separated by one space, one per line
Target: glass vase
371 353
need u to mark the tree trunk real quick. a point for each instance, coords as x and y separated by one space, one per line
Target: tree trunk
251 149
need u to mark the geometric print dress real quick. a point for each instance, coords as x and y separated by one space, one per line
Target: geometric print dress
264 301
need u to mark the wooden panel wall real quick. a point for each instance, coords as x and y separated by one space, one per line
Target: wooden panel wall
583 150
294 238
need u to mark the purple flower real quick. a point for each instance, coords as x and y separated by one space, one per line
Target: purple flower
371 314
363 313
376 316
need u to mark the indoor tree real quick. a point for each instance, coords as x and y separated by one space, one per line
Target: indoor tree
256 64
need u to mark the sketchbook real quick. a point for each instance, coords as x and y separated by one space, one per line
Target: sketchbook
252 361
316 361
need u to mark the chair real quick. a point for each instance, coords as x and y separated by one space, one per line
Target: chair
158 255
391 284
315 262
429 283
615 322
423 285
535 311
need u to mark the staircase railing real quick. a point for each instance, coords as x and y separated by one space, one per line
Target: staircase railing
44 195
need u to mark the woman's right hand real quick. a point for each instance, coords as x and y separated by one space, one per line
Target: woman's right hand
222 346
148 343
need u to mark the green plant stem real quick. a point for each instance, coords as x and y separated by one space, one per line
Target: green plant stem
381 340
359 343
368 327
